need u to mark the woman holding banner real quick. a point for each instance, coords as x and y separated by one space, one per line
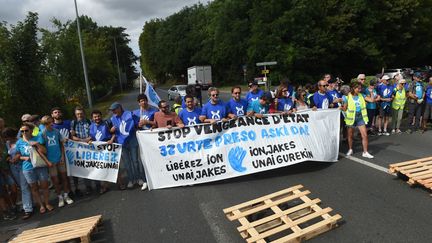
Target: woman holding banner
33 175
356 116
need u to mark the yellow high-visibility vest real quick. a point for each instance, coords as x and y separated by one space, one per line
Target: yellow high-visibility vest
351 110
399 99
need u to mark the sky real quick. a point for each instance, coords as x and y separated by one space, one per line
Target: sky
131 14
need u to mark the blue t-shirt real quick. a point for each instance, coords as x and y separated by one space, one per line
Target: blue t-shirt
190 118
429 94
419 90
385 91
125 126
52 141
23 148
64 128
100 132
256 107
356 101
322 101
334 94
145 115
214 111
371 105
254 96
237 108
285 104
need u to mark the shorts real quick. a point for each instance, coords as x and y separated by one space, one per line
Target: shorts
36 174
358 121
385 111
59 167
427 112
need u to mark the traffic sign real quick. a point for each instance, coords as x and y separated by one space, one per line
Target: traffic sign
259 64
265 71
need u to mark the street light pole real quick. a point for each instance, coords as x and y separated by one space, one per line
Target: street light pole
118 67
83 59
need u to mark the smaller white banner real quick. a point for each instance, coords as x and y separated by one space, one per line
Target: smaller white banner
97 161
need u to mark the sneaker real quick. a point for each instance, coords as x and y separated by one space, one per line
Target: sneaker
409 131
380 133
61 202
68 200
398 131
144 186
140 182
350 152
130 185
367 155
385 133
393 131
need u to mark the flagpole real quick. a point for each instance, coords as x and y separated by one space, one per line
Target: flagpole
140 78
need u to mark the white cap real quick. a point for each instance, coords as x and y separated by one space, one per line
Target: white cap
386 77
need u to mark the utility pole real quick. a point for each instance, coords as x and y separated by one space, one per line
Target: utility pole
83 59
118 67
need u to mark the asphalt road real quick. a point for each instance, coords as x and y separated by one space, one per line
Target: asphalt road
375 206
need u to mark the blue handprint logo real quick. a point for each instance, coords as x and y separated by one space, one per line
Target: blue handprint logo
70 156
235 158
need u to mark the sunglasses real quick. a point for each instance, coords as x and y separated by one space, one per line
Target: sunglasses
25 130
236 93
164 107
215 95
285 90
325 85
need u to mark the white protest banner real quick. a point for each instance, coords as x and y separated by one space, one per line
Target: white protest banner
97 161
210 152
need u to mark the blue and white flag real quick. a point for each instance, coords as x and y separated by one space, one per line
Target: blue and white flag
153 97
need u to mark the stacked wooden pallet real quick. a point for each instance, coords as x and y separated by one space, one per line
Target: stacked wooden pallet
77 229
418 171
284 216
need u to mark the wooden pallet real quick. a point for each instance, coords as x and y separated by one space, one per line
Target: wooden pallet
284 216
418 171
81 229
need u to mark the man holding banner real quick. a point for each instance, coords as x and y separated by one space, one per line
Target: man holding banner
124 123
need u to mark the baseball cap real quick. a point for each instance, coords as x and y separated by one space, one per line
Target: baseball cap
26 117
254 82
114 106
417 74
386 77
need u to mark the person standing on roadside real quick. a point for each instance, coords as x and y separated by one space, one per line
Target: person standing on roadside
371 107
415 95
124 127
37 177
254 92
398 105
53 142
385 92
321 98
189 116
428 106
236 106
356 116
164 117
100 132
215 110
198 92
145 113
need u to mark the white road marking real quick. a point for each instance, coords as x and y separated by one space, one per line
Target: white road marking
212 218
364 162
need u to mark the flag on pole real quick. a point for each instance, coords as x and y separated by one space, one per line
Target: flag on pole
153 97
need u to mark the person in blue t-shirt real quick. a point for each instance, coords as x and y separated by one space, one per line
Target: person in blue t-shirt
321 98
428 105
260 107
55 154
124 127
236 106
215 110
336 96
371 107
64 126
145 113
385 91
415 100
254 92
37 177
189 116
283 103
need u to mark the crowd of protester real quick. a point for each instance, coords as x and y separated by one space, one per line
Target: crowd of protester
369 106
